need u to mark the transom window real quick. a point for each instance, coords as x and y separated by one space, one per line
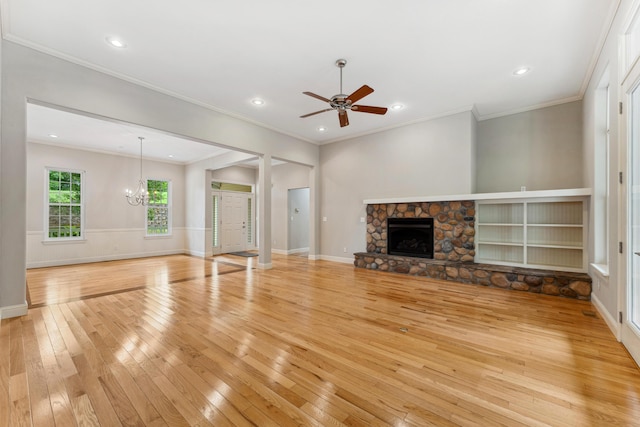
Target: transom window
65 204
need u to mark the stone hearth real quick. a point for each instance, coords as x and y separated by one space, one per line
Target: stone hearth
454 251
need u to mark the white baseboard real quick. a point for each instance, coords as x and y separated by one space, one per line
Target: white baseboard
336 259
198 254
116 257
279 251
13 311
297 251
265 266
611 322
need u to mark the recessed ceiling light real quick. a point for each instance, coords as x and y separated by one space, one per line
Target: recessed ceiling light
51 135
257 101
396 107
171 156
321 129
521 71
116 42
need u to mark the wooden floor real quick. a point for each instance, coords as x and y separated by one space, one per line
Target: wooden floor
306 343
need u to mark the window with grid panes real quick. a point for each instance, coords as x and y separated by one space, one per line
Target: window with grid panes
64 204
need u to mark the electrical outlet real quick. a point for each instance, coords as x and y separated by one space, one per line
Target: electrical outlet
344 250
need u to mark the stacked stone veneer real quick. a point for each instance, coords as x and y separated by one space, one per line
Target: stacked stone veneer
454 252
453 227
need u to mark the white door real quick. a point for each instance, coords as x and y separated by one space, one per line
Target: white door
630 301
233 221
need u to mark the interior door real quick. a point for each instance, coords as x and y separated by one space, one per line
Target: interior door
233 222
630 294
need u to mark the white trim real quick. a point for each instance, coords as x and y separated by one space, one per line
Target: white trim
532 107
613 325
335 259
470 108
279 251
297 251
14 310
600 270
72 261
265 266
58 54
198 254
570 192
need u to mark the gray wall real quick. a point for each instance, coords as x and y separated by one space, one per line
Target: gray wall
606 296
284 177
298 220
434 157
539 149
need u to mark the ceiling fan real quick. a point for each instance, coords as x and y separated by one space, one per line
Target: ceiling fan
342 103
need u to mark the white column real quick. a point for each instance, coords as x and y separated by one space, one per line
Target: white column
314 213
264 212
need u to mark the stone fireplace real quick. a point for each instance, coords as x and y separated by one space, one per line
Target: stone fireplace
453 227
410 236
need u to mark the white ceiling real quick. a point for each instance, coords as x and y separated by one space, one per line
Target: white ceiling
435 57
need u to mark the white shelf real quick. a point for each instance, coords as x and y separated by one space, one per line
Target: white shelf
534 245
556 225
500 243
513 195
497 224
552 234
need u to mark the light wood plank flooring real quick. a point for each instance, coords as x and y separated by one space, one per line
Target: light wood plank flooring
306 343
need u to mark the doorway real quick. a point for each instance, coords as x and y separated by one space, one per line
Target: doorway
630 291
298 221
233 221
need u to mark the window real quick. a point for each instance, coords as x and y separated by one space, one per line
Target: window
214 220
158 209
64 203
249 222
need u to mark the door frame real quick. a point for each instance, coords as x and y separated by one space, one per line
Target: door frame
629 333
251 222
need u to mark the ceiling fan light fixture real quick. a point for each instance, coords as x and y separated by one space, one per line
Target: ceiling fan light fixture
343 103
321 128
397 107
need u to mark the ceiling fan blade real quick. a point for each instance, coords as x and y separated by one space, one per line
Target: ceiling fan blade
317 112
313 95
344 119
368 109
359 94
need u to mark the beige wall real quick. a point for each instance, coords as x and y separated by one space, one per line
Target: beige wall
113 228
539 150
423 159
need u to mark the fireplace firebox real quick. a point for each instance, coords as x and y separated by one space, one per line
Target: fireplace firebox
410 237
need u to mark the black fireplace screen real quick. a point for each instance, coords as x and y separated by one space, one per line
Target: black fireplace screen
410 237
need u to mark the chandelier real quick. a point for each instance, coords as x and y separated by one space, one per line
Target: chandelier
140 196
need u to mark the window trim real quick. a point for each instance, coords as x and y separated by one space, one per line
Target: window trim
169 232
47 206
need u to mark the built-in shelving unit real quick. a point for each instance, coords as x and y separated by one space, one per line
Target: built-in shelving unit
544 229
547 233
